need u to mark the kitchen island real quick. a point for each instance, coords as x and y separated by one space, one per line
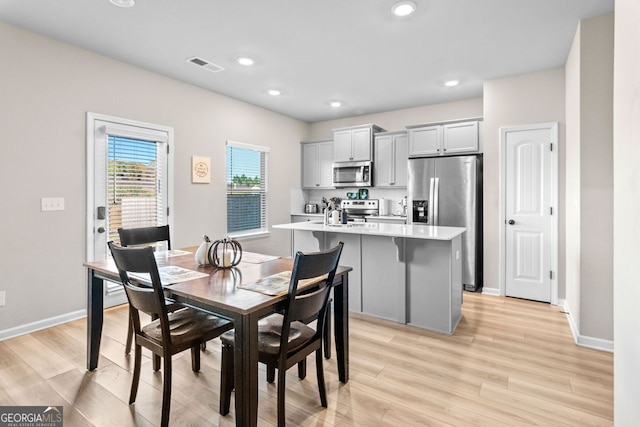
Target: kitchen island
406 273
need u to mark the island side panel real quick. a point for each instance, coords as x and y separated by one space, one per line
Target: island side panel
383 278
305 241
351 257
431 283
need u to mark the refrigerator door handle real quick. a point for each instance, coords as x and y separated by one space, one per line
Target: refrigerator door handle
430 205
435 201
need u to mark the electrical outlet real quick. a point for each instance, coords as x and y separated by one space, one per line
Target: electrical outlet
3 297
52 204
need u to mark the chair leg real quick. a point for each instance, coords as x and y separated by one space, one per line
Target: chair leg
321 386
166 391
203 346
127 347
326 334
136 374
226 379
156 363
271 373
195 358
282 373
302 369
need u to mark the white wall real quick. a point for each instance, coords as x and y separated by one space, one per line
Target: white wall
510 101
626 208
47 87
589 172
398 119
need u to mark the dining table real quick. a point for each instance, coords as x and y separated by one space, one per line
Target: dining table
232 293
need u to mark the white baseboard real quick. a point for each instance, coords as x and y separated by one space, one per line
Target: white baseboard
41 324
491 291
583 340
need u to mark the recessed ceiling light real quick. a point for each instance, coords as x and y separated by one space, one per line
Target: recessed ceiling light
335 104
123 3
452 83
245 60
273 92
403 8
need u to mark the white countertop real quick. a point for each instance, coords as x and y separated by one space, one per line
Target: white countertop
380 229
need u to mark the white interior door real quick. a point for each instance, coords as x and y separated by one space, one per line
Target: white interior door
528 222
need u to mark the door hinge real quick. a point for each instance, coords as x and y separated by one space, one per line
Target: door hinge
167 210
550 274
551 147
167 148
551 210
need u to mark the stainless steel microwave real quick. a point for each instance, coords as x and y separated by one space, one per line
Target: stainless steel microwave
352 174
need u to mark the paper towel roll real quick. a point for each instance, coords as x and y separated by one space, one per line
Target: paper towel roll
383 207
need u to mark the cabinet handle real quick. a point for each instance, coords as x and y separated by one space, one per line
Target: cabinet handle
317 185
444 149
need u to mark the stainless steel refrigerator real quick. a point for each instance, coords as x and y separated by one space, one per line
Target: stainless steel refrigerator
447 191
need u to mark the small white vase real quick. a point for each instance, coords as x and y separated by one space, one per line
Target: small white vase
202 257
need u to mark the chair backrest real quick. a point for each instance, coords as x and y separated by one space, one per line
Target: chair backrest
310 305
144 235
149 300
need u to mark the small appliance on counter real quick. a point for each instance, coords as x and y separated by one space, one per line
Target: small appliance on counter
363 194
310 208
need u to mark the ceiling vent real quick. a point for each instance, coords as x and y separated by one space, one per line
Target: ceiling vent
214 68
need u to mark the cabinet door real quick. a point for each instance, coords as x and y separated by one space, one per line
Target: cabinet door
401 157
383 167
325 160
460 137
425 141
310 175
361 141
342 146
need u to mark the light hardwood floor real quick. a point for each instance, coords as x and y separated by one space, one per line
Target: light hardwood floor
510 362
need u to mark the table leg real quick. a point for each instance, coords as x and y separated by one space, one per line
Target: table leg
95 295
341 329
246 370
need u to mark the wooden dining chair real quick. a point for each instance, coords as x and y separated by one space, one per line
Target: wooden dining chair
285 340
170 333
145 236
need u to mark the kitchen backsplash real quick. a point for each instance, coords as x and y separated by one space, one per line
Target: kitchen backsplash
300 197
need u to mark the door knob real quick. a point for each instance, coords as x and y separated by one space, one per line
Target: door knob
511 222
101 230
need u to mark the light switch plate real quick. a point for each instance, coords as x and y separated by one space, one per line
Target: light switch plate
52 204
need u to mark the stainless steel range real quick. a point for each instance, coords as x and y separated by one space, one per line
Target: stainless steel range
359 210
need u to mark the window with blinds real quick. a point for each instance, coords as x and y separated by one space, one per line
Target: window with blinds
246 189
134 196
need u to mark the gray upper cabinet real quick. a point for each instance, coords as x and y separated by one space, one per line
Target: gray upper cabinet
444 139
391 154
317 157
354 144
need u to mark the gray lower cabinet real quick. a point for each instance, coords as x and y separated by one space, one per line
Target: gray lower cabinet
429 263
383 278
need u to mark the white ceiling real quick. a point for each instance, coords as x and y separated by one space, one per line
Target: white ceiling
316 51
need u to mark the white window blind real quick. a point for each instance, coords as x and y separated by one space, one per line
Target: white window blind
134 174
246 188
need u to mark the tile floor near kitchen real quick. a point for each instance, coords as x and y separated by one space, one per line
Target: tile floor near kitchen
510 362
